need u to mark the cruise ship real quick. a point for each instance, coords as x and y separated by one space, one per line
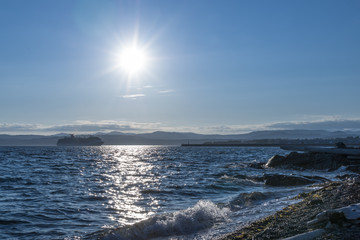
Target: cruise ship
80 141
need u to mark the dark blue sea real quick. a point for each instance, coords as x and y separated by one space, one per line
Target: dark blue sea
135 192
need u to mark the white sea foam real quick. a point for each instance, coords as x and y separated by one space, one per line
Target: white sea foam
202 216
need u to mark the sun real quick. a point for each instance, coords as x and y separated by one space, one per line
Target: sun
132 59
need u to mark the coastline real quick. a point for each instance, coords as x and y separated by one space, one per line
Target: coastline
293 220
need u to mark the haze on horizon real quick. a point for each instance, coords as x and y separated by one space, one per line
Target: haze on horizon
199 66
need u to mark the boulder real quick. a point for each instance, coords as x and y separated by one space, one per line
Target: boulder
283 180
349 215
256 165
254 196
275 161
318 161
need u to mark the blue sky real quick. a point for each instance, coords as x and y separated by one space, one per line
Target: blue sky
214 66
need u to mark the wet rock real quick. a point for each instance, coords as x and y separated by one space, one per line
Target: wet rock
275 161
283 180
256 178
248 199
254 196
256 165
354 168
318 161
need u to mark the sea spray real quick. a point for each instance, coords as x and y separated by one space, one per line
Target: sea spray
203 215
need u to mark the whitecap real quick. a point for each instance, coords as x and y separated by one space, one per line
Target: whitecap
203 215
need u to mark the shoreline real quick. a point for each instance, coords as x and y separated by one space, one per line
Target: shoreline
293 219
226 144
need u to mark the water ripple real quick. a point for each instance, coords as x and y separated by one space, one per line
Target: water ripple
69 192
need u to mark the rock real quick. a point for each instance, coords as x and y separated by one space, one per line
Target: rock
340 216
351 212
337 217
319 161
283 180
275 161
346 176
340 145
308 235
254 196
256 165
354 168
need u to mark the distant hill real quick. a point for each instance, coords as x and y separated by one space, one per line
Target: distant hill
293 134
174 138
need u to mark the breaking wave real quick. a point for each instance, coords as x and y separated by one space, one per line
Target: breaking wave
203 215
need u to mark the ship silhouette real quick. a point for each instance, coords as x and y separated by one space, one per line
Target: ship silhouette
80 141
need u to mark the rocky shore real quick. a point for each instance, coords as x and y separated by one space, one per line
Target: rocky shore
331 212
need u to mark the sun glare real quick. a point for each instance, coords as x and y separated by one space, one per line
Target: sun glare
132 59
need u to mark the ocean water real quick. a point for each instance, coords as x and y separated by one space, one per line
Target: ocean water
135 192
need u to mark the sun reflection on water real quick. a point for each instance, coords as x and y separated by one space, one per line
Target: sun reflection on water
129 173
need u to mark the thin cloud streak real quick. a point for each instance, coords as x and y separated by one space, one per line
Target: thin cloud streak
106 126
134 96
166 91
331 125
77 127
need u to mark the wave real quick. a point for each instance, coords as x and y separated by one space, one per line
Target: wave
223 187
10 179
155 191
11 222
203 215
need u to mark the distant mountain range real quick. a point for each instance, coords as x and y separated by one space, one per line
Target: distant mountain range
174 138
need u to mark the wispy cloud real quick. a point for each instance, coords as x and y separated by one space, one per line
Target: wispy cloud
166 91
332 125
18 127
79 127
231 129
136 127
133 96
